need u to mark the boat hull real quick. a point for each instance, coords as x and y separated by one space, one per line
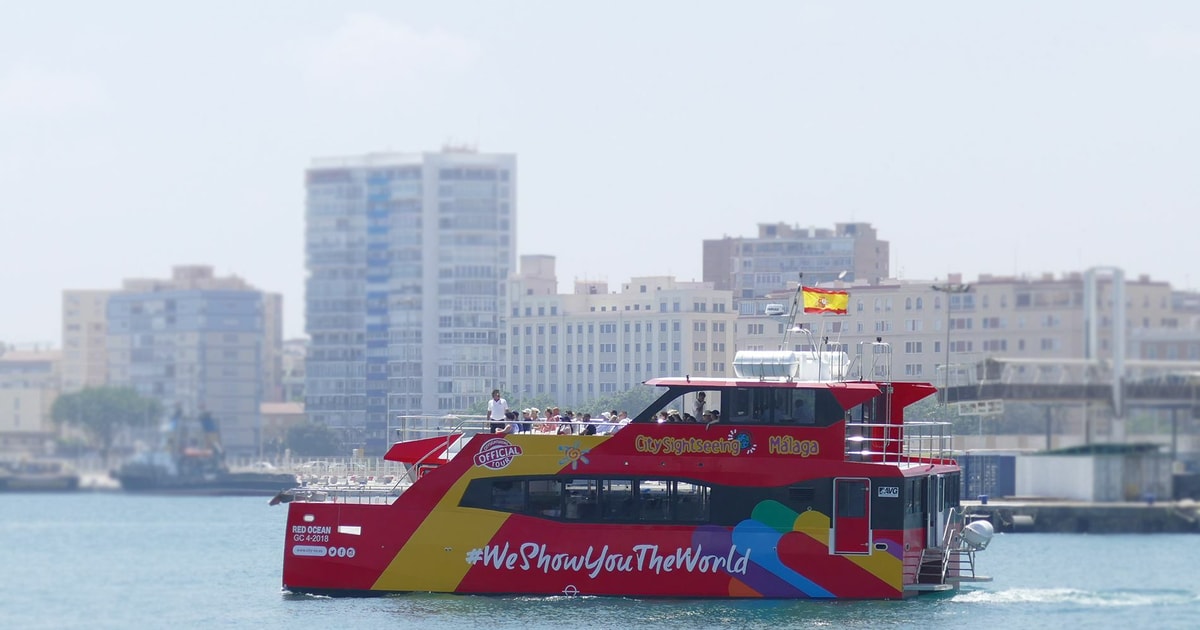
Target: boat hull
469 552
231 484
761 545
39 483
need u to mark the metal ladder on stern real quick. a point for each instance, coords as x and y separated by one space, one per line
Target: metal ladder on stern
944 567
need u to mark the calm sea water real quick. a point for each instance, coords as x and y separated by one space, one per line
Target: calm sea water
111 560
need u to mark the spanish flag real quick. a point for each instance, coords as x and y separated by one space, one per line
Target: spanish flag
824 301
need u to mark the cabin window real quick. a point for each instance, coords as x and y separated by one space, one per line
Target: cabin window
624 500
545 497
618 501
737 405
852 498
914 502
690 502
779 406
583 499
509 495
655 500
951 492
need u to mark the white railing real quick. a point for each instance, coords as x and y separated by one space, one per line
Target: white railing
911 442
405 428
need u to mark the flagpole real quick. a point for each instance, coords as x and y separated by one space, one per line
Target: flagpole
797 300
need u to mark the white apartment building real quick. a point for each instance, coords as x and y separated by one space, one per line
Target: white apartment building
592 343
407 257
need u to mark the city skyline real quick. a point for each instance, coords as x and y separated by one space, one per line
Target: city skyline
976 140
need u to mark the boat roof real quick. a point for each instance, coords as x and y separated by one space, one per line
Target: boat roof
703 383
848 393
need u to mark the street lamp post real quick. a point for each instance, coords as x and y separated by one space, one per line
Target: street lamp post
949 288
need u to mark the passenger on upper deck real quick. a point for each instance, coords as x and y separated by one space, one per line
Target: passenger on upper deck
497 411
547 425
566 422
511 425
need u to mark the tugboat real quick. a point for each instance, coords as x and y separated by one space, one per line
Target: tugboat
179 468
802 480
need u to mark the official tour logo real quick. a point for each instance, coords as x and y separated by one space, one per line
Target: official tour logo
496 454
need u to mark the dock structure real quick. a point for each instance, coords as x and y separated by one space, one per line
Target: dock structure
1074 517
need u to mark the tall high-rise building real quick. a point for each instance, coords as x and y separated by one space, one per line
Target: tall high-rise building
407 258
752 267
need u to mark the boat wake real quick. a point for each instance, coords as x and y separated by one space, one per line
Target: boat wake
1082 598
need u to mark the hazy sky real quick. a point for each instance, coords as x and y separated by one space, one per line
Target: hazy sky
1015 137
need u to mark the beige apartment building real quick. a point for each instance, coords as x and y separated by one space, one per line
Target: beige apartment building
593 343
997 316
29 382
85 339
1038 322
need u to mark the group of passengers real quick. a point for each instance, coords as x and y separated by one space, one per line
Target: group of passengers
673 415
552 421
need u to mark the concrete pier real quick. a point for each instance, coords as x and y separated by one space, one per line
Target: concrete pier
1069 517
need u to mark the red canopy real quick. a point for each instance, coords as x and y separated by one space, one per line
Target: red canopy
423 451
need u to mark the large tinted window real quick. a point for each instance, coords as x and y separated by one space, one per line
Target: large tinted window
754 405
625 500
545 497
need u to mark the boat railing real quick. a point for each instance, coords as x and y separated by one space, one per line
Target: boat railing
959 563
907 443
873 360
416 427
326 485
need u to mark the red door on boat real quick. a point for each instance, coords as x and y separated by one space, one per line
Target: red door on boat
852 516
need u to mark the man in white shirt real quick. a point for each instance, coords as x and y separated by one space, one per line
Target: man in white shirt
497 410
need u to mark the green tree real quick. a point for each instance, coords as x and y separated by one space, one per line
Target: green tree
632 400
102 412
314 440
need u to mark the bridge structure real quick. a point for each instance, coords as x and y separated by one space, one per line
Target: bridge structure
982 389
1108 382
1142 383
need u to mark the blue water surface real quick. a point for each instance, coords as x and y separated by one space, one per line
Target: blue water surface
114 560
